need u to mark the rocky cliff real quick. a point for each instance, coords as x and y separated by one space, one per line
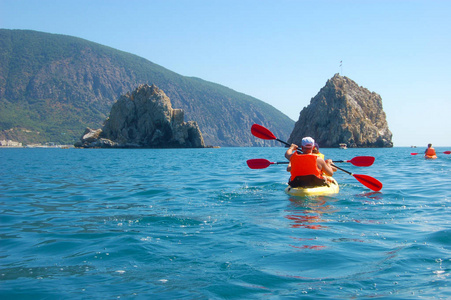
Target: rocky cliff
144 119
344 112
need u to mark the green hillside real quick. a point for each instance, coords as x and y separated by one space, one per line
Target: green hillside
53 86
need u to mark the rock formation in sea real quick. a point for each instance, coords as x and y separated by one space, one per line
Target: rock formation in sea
344 112
144 119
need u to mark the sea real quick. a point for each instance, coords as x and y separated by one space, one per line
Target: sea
200 224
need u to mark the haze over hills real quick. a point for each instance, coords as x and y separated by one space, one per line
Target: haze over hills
54 86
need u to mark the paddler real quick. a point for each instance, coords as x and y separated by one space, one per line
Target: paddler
307 168
316 151
430 151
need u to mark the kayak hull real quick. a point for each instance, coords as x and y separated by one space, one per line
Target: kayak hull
330 189
430 156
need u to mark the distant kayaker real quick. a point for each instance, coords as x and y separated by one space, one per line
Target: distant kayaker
307 169
430 151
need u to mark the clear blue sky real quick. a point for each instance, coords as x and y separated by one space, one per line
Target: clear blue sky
282 51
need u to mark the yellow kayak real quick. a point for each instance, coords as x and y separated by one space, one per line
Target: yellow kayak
332 188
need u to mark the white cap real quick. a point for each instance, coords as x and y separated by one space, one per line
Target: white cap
308 142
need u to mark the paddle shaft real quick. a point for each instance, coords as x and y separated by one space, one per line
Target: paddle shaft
342 170
370 182
337 161
286 162
332 164
284 143
446 152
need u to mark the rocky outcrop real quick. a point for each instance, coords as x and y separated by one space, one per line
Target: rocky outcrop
344 112
144 119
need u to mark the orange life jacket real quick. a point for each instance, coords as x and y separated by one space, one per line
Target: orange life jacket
304 164
430 152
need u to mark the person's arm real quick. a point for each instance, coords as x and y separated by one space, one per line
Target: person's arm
293 148
289 167
325 166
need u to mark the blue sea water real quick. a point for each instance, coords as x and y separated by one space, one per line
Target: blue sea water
199 224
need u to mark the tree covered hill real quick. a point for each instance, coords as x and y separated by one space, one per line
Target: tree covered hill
54 86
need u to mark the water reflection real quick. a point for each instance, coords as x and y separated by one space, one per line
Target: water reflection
309 213
372 195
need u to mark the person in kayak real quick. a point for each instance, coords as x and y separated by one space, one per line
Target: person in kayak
316 151
430 151
307 168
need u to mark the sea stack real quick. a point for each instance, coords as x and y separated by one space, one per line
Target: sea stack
344 112
144 119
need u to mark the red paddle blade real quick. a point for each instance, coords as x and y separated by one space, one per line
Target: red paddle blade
369 182
413 153
258 163
362 161
262 133
447 152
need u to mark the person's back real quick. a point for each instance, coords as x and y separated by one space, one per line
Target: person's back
304 164
304 171
307 168
430 151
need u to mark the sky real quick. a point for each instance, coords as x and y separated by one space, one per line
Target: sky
280 51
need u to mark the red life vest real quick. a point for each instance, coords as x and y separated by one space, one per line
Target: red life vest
430 152
304 164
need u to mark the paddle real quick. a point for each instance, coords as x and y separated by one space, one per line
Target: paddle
368 181
446 152
261 163
359 161
264 133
